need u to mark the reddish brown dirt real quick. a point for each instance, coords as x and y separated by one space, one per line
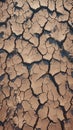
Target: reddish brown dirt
36 65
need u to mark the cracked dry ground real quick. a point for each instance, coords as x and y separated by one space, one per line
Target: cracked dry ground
36 65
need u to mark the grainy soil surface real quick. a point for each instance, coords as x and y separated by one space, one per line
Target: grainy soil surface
36 65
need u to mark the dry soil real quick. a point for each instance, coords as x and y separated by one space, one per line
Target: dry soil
36 65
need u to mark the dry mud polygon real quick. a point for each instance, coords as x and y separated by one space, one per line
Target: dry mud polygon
36 65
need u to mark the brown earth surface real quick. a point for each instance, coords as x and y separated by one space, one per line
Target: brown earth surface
36 65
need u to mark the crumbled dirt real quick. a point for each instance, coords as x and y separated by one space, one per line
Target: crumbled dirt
36 64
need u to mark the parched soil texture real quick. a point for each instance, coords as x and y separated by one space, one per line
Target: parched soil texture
36 65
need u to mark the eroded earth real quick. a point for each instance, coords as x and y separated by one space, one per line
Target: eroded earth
36 65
